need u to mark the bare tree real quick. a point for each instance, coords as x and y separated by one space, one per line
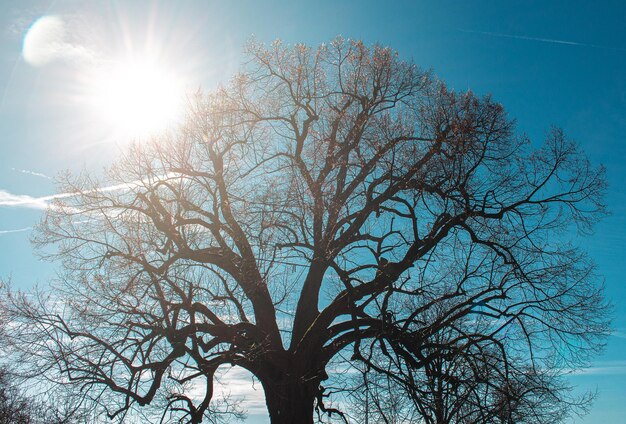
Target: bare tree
330 201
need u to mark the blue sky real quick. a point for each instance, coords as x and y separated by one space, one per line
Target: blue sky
549 63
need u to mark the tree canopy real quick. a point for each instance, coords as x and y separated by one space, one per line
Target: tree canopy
342 225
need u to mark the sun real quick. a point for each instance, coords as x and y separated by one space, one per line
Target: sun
129 86
137 98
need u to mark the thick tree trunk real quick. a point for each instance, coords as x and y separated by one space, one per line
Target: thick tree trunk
289 402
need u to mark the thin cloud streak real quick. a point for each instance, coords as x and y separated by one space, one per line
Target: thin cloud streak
543 40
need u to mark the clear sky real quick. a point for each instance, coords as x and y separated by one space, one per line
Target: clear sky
548 62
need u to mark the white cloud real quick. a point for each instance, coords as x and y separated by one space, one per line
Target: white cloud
241 385
235 384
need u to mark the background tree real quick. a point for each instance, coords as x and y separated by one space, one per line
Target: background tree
335 201
19 403
462 389
14 407
18 406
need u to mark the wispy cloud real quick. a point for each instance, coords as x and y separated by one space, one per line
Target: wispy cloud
603 368
619 334
33 173
543 40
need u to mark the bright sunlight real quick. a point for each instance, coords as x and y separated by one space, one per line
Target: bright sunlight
138 98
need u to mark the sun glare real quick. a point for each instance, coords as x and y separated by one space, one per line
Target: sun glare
138 99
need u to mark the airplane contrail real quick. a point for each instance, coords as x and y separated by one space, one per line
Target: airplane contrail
33 173
9 199
543 40
19 230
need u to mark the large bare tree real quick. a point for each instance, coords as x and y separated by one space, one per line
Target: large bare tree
328 203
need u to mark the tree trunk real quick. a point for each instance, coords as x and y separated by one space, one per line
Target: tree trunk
289 402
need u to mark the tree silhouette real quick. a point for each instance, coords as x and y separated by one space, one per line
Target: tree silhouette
329 203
